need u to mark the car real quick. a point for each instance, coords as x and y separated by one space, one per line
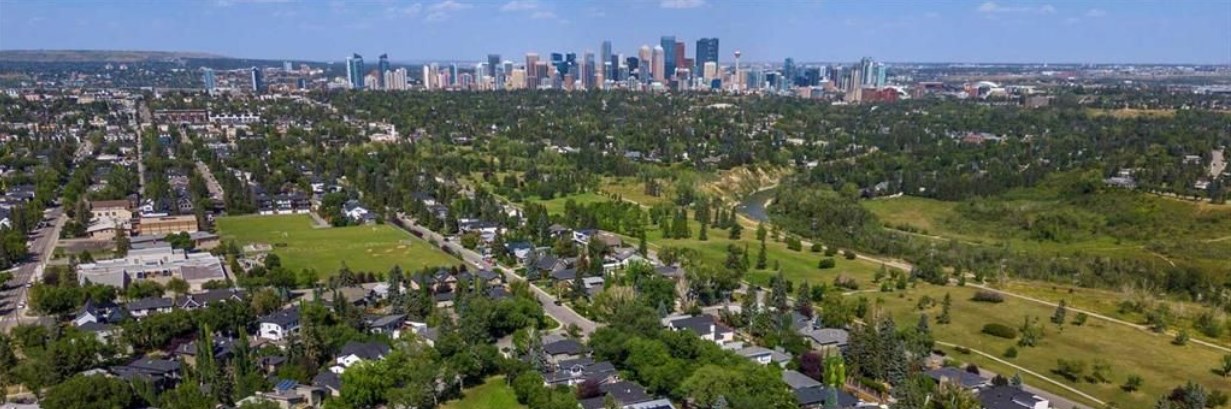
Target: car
21 305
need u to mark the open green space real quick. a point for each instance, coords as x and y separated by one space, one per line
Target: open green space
634 190
493 393
1128 351
556 205
373 248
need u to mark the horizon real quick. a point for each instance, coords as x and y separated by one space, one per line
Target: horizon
1025 32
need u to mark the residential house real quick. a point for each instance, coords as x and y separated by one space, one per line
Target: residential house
705 326
357 213
152 305
387 324
563 350
288 394
204 299
818 397
796 380
279 325
223 349
966 380
826 338
161 373
579 370
622 392
354 352
765 356
100 312
620 258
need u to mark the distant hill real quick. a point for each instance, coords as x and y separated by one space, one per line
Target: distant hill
99 56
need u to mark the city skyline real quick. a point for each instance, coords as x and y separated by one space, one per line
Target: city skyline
462 30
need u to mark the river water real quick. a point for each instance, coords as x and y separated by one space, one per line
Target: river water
754 205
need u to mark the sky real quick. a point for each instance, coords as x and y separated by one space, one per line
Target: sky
1010 31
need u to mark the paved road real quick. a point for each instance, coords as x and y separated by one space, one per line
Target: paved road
215 189
15 292
561 313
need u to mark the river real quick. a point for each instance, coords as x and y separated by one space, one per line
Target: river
754 205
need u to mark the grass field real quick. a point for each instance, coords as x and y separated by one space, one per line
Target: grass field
556 205
493 393
633 189
1129 351
374 248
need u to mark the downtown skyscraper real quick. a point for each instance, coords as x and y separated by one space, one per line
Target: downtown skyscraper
211 82
605 56
668 45
382 68
354 71
707 51
258 80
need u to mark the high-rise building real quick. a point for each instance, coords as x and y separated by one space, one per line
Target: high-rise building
646 57
881 75
532 71
604 56
787 80
258 80
453 75
302 83
588 76
680 58
707 51
211 82
493 64
660 64
710 70
287 67
354 71
668 45
868 70
382 67
395 80
854 83
542 74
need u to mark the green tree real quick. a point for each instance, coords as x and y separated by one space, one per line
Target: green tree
1058 317
1133 383
87 392
762 259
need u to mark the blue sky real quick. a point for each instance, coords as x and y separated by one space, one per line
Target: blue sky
1170 31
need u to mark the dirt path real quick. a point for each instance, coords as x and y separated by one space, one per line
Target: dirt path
1100 316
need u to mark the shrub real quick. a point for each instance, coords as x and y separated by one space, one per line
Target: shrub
1071 369
816 248
845 281
988 296
1080 319
1011 352
1133 383
850 255
827 263
962 350
831 251
1000 330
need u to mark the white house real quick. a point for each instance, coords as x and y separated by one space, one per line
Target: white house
355 352
279 325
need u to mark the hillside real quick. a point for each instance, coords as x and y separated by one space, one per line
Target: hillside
118 56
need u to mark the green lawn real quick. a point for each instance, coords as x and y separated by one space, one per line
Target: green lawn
374 248
633 189
493 393
797 266
556 205
1128 350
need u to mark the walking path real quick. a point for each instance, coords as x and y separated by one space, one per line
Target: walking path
1056 400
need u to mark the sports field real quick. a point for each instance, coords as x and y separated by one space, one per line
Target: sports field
374 248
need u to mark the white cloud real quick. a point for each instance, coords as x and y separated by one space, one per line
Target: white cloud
543 15
681 4
520 5
406 11
992 7
1096 13
448 5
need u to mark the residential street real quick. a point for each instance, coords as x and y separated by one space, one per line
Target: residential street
561 313
13 300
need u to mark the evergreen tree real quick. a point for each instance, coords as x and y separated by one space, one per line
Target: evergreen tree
1058 316
944 317
761 257
735 231
778 293
703 235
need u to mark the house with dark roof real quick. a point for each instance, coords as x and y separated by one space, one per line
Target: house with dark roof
520 250
328 381
160 373
355 352
576 371
204 299
796 380
966 380
818 397
705 326
386 324
280 324
622 392
152 305
1009 397
102 312
567 274
671 272
102 332
563 350
224 349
